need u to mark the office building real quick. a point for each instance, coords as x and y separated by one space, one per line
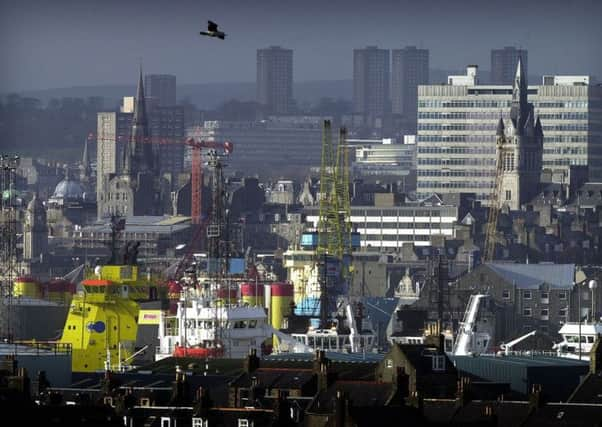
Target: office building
410 68
160 90
371 81
272 147
457 126
390 227
167 127
275 79
112 131
504 62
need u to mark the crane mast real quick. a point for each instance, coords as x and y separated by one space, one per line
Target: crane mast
494 206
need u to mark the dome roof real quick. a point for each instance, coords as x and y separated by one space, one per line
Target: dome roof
68 189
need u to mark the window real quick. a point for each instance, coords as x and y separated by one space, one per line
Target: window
562 311
508 194
165 422
527 295
562 296
527 311
545 295
243 422
544 312
438 363
199 422
389 363
506 294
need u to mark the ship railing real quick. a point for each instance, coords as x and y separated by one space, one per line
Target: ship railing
520 353
41 347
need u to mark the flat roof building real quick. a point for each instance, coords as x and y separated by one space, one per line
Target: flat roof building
457 130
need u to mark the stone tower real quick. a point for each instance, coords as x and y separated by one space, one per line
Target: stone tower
520 148
35 231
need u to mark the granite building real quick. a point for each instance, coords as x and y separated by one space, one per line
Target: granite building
457 122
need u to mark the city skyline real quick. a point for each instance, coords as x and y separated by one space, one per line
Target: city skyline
165 39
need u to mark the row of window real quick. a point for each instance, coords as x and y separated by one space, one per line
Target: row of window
434 185
527 295
544 312
393 212
566 150
395 238
479 149
439 103
494 115
396 225
456 138
460 161
456 173
566 127
459 126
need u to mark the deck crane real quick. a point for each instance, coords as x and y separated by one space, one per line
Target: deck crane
507 347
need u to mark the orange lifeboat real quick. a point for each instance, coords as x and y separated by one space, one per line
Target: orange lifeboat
198 352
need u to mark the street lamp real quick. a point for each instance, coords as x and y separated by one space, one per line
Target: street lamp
593 284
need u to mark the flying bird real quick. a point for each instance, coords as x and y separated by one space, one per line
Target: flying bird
212 31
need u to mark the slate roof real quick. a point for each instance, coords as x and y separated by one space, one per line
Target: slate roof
276 378
531 276
360 393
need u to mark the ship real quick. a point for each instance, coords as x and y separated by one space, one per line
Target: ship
577 339
207 326
102 323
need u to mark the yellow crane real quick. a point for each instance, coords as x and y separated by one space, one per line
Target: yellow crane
494 201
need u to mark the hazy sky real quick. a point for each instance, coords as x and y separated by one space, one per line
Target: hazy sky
62 43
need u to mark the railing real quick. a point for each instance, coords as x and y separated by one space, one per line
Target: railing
40 347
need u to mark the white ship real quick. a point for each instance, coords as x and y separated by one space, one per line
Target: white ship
210 327
577 339
348 334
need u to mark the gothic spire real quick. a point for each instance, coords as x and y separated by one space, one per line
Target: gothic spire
139 154
140 108
85 168
519 112
519 89
500 127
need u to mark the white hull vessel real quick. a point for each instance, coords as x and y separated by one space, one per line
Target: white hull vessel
577 339
204 327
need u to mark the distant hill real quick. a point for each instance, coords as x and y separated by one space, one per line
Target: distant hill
211 95
205 95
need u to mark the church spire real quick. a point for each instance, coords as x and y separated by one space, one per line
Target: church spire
139 154
140 108
519 112
519 89
500 127
85 167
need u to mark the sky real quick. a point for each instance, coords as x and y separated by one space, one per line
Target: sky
64 43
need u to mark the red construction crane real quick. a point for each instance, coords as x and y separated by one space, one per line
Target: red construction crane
196 175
